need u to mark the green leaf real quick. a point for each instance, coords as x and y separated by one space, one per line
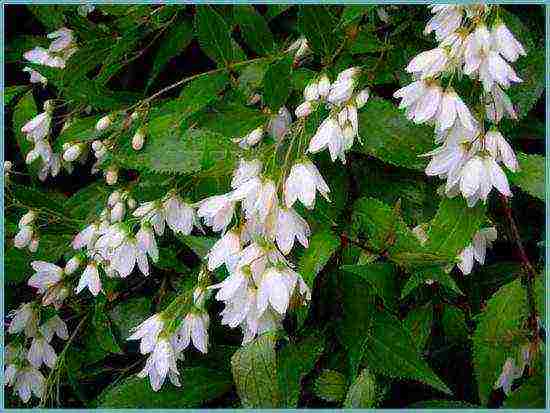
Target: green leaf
38 199
316 24
454 325
11 93
172 43
274 10
50 16
79 130
419 325
254 29
454 226
363 392
199 245
199 385
427 274
391 351
389 136
254 368
102 327
540 297
498 335
200 92
277 83
381 277
214 35
129 314
88 202
530 395
530 177
24 111
367 42
442 404
330 386
322 245
294 361
353 14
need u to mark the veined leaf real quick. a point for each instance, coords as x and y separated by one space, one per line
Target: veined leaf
419 325
277 83
51 16
254 29
214 35
129 314
353 14
381 278
330 386
316 24
530 177
363 392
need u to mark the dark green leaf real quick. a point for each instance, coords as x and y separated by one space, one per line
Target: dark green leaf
11 93
381 277
129 314
214 35
51 16
102 327
530 177
419 325
277 83
330 386
254 29
367 42
454 324
353 14
317 24
443 404
530 395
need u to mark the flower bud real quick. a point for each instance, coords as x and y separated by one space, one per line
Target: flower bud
66 146
362 98
31 156
111 176
103 123
27 219
114 198
311 92
131 202
134 116
23 237
72 265
33 245
7 166
72 153
117 212
304 109
324 86
138 139
97 146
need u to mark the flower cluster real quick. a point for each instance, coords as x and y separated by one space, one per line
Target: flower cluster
27 236
469 157
512 371
23 364
62 47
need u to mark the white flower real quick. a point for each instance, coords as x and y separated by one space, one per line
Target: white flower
28 218
478 176
41 352
46 276
329 134
251 138
63 40
23 237
138 139
72 265
245 171
26 381
72 153
90 279
301 48
507 376
146 241
303 181
497 104
33 245
304 109
41 56
111 175
126 255
39 127
476 250
103 123
24 318
290 225
87 237
54 325
266 201
85 9
236 281
217 211
153 213
180 216
361 98
311 92
446 20
453 109
501 150
273 289
422 100
226 247
118 211
341 90
278 125
447 162
429 63
36 77
160 364
253 325
148 332
505 43
194 328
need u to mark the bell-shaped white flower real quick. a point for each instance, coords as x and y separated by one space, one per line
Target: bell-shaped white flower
279 124
194 328
24 318
446 20
23 236
302 183
42 56
146 241
245 171
126 255
291 226
329 135
498 104
28 218
304 109
311 92
505 43
72 153
217 211
323 86
500 149
421 99
26 381
236 281
429 63
160 364
86 237
301 49
64 40
451 110
154 213
341 90
180 216
362 97
39 127
226 247
251 139
54 325
274 290
46 275
507 376
148 332
255 325
118 211
90 279
35 76
41 352
479 175
103 123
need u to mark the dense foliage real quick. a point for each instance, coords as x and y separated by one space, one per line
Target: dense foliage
162 219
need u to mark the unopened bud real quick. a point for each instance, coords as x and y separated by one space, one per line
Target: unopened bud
111 176
72 153
304 109
66 146
27 219
23 237
131 202
311 92
97 146
33 245
103 123
362 98
72 265
323 86
138 139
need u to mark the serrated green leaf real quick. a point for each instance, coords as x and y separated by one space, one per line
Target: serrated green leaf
214 35
391 352
277 83
530 395
200 92
317 24
200 245
172 43
530 177
418 323
454 226
129 314
38 199
427 274
79 130
88 202
199 385
254 368
389 136
330 386
11 93
363 392
294 361
381 277
498 335
254 28
321 247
